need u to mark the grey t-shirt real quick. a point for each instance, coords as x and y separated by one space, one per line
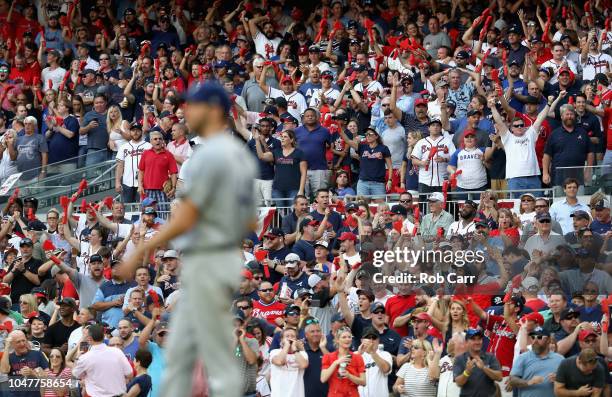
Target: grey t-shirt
248 371
432 42
29 153
478 384
219 180
395 139
254 96
97 138
86 287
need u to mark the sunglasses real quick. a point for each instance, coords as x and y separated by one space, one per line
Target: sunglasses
311 321
518 125
539 337
243 307
257 277
405 201
544 221
266 290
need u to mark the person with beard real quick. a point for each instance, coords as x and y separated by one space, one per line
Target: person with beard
57 334
266 40
476 371
580 375
465 226
294 279
108 299
591 124
418 120
130 341
274 241
568 146
533 372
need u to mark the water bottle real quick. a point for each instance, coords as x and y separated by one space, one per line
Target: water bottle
342 370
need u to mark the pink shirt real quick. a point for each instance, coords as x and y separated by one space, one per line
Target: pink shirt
183 150
104 370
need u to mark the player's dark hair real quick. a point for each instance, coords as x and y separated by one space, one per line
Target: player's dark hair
144 357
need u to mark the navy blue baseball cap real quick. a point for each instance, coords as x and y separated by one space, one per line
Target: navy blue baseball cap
210 93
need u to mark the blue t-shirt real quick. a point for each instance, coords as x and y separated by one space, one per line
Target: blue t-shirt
372 167
600 228
60 147
308 89
266 169
32 359
412 175
314 144
157 368
518 88
304 249
144 381
97 138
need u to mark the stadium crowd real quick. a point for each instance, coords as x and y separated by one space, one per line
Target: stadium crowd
384 126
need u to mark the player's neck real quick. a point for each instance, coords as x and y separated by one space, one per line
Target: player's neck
213 129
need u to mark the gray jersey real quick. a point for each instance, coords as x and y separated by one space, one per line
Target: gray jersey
219 179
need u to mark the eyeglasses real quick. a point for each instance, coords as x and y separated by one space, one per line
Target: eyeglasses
266 290
385 105
243 307
518 125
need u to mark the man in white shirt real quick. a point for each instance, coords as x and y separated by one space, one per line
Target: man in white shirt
431 155
592 60
128 157
266 41
465 225
288 365
558 59
368 88
378 365
296 103
522 170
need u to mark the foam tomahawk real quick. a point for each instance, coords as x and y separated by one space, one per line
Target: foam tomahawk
82 187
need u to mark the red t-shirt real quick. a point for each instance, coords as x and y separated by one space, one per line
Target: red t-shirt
543 134
343 387
69 291
512 233
28 73
502 341
269 312
157 167
607 123
395 307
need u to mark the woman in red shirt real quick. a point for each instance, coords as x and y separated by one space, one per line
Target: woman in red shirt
343 369
507 228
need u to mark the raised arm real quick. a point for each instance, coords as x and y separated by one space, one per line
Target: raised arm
501 126
393 103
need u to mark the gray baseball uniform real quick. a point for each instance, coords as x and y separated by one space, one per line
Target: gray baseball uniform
219 180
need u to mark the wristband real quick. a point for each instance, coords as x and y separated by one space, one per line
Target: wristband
466 374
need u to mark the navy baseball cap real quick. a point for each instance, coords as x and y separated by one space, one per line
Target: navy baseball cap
210 93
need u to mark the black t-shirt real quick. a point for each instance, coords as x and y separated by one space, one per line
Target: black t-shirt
144 381
372 167
497 169
169 287
32 359
358 326
20 284
58 334
287 169
338 144
569 374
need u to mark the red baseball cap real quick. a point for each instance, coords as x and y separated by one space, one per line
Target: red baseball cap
423 316
287 79
535 316
585 333
247 274
420 101
347 236
468 132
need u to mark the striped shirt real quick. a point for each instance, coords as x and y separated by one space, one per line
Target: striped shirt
416 381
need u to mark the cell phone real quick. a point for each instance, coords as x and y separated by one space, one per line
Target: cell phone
151 108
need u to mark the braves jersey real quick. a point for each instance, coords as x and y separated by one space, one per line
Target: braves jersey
427 149
330 95
469 161
600 63
296 103
268 312
502 340
264 46
130 154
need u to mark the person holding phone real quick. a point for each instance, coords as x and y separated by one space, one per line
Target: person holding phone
343 370
288 365
94 126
